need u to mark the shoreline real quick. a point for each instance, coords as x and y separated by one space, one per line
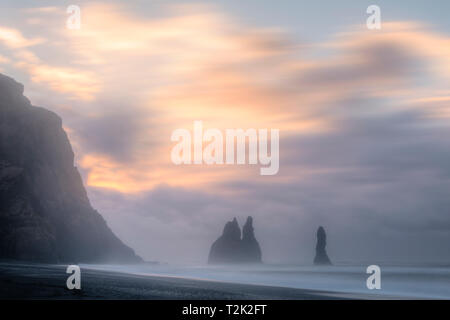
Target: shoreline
43 281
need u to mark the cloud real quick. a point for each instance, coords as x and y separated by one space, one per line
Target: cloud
363 118
3 60
14 39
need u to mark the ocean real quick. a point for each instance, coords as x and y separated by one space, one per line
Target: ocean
404 282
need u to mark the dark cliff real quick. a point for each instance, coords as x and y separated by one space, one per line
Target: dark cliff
230 248
45 214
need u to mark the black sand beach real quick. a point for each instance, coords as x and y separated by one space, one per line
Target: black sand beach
38 281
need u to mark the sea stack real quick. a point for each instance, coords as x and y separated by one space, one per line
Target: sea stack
231 248
224 249
321 253
45 214
251 252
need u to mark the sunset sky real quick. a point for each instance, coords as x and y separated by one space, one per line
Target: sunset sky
364 119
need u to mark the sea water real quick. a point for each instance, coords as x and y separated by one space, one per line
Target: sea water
396 281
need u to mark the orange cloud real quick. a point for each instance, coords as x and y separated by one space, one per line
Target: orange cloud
78 84
193 63
14 38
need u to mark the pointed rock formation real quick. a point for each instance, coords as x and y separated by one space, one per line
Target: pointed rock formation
45 214
250 246
230 248
321 253
224 249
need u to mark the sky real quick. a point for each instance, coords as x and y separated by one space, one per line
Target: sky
364 119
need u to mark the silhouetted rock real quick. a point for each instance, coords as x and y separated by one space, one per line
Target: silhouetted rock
251 252
230 248
224 249
45 214
321 253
